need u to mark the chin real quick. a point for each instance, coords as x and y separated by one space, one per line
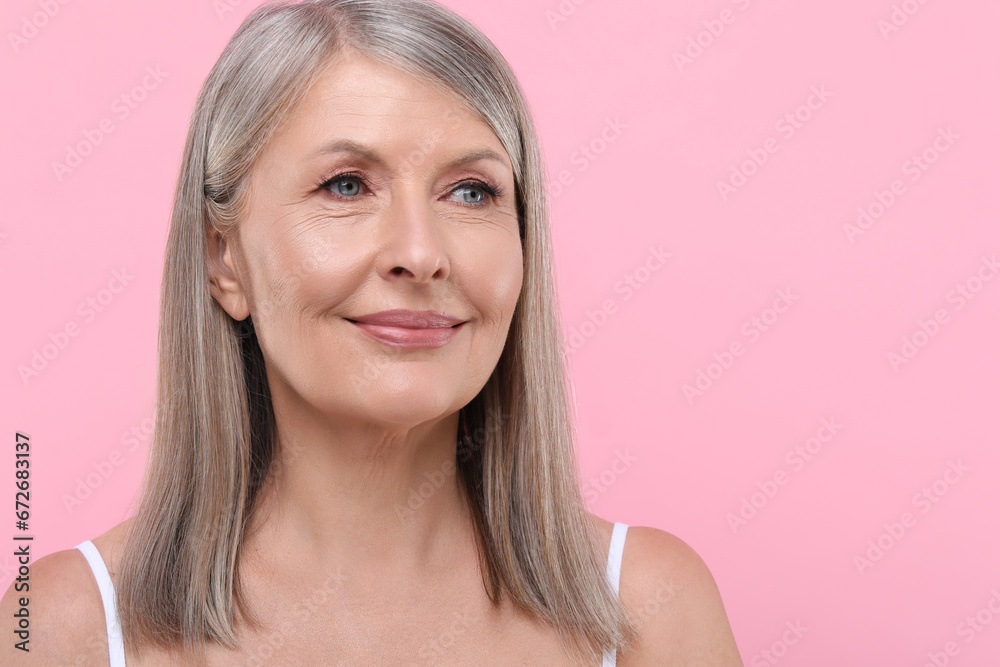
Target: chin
406 407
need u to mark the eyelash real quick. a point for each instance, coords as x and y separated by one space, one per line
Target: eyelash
491 189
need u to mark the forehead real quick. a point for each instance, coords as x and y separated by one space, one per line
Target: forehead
367 102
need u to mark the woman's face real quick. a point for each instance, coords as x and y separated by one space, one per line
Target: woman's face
377 193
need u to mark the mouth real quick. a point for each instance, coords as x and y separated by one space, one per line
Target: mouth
401 318
409 332
400 326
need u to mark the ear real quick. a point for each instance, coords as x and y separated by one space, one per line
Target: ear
224 283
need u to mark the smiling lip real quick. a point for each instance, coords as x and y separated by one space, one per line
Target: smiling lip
409 328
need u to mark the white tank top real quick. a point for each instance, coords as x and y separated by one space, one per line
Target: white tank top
614 575
116 645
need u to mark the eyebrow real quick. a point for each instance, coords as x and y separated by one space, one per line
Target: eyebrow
350 146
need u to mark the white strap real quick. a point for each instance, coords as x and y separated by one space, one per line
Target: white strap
116 645
614 575
615 554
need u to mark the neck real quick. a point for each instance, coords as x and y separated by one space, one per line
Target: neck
376 500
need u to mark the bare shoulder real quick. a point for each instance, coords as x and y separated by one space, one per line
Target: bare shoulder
65 613
670 591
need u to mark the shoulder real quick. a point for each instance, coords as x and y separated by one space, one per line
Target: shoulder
66 623
670 592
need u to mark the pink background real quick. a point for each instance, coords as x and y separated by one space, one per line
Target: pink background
661 133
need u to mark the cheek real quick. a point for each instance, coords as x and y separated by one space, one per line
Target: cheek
498 284
300 279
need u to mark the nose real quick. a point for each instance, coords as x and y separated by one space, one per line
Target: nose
413 250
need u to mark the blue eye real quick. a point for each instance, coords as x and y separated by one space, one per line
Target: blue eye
471 195
475 193
344 185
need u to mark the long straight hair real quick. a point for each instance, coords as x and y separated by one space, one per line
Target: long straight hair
178 583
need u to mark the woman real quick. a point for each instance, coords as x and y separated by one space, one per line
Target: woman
362 451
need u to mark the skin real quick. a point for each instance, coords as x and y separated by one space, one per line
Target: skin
361 425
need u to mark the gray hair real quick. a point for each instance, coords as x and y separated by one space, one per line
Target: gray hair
213 440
